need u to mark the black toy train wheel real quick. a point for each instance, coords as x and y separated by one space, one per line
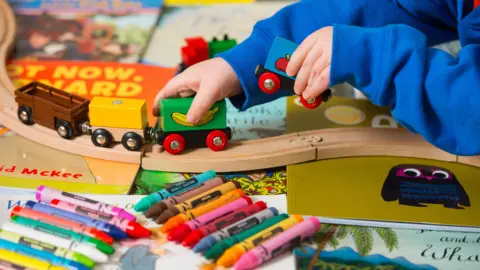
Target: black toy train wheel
64 129
25 115
269 82
102 138
217 140
174 144
132 141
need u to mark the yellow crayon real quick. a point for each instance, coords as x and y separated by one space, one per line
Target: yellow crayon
191 214
233 254
26 261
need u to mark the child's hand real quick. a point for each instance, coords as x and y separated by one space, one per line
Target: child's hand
311 63
212 80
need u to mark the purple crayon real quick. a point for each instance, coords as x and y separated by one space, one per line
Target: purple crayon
46 195
278 244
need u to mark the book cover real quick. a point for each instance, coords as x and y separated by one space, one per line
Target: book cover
261 182
354 247
26 164
114 30
387 191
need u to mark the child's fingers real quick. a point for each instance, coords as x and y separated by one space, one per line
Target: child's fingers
299 55
205 98
320 65
319 85
301 80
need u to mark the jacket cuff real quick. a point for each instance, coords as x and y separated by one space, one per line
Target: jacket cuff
244 59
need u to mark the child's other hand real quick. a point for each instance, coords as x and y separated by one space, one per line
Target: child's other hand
311 63
212 80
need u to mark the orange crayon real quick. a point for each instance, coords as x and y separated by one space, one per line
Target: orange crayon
179 219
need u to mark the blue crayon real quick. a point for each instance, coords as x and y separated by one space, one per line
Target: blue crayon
41 255
110 229
174 189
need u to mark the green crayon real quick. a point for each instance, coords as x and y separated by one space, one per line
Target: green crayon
54 230
45 247
218 249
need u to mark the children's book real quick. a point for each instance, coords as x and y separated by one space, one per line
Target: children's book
154 253
355 247
261 182
108 30
26 164
378 191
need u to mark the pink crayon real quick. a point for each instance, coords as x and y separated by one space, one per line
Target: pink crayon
46 195
183 230
278 244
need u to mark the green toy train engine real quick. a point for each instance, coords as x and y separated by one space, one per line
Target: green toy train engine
177 133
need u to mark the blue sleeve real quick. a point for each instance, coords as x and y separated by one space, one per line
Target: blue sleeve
430 92
296 21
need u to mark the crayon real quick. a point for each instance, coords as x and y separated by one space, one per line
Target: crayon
219 248
46 195
46 247
111 230
67 234
198 200
278 244
239 214
6 265
31 251
88 251
231 255
132 228
236 228
184 217
62 223
163 205
183 230
145 203
26 261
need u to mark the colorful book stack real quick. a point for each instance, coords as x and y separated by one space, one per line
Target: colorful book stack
64 231
214 217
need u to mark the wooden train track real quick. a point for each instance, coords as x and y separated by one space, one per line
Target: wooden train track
239 156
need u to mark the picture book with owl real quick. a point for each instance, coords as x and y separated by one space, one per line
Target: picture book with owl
394 192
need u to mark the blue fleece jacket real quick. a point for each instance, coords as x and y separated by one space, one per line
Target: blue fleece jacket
381 47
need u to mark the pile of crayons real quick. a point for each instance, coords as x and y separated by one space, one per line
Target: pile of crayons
213 216
64 231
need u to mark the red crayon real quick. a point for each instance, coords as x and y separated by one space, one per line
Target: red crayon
195 236
61 223
132 228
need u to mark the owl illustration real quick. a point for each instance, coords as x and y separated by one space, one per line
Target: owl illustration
413 185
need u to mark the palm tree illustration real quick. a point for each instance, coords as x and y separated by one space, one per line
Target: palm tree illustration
362 236
331 234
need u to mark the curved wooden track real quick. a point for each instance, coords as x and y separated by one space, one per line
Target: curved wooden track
239 156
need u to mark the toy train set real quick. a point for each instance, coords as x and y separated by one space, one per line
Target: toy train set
294 148
108 120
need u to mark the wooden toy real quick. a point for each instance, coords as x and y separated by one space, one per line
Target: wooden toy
119 120
197 49
177 132
240 156
51 107
273 76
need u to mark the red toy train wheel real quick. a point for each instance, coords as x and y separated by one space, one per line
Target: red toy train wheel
269 82
217 140
312 104
174 144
